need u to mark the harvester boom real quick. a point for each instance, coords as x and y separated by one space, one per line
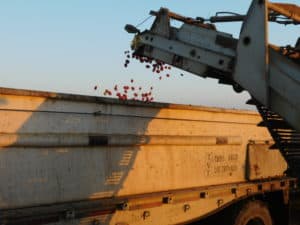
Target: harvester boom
271 74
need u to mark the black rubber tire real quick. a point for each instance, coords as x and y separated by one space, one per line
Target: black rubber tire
254 213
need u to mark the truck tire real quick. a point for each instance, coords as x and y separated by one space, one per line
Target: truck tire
254 213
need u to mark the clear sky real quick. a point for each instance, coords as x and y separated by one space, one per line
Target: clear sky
72 45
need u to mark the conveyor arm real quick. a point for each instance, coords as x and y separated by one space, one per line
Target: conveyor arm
270 74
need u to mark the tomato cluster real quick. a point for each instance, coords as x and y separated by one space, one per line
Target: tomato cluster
129 92
157 66
137 93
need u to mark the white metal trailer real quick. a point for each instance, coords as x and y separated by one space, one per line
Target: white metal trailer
69 159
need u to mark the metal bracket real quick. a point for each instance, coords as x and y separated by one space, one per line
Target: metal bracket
251 70
161 24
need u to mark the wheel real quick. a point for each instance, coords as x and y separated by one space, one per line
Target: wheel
254 213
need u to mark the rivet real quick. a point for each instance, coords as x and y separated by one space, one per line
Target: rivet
220 202
186 207
124 206
146 214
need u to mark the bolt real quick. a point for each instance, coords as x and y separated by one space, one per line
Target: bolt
249 191
220 202
186 207
124 206
146 214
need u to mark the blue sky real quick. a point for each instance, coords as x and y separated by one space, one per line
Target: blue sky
72 45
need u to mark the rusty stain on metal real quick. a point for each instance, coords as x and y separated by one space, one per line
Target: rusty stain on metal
221 140
146 205
256 169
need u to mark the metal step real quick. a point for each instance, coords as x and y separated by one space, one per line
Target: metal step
287 139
